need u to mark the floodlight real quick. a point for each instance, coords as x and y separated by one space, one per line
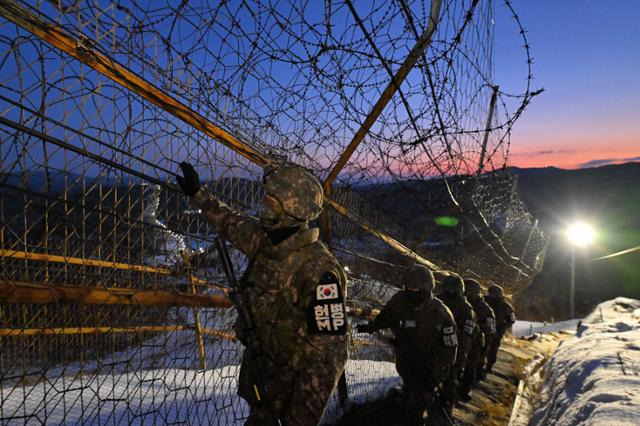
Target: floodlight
581 234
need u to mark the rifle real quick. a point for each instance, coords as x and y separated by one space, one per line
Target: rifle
252 342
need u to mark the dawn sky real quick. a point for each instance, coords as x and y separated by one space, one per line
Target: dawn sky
586 55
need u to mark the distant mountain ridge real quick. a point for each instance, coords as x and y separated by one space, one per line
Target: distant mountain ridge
557 195
608 197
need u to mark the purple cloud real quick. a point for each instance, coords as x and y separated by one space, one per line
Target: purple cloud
553 151
543 152
606 161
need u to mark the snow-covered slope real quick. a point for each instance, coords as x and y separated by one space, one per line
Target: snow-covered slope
164 396
527 328
593 378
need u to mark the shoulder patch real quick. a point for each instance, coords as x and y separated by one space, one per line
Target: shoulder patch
449 337
326 314
491 325
469 326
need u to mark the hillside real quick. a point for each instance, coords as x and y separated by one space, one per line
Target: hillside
607 197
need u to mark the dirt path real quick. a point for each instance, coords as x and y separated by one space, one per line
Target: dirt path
493 399
491 402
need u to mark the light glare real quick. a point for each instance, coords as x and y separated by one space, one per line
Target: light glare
581 234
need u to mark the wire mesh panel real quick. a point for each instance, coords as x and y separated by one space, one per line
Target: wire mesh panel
114 308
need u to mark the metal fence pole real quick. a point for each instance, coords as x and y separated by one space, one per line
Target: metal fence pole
487 129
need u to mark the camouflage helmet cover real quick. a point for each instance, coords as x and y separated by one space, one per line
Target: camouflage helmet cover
419 277
453 284
495 291
472 287
297 190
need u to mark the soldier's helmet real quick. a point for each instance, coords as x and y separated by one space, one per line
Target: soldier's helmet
472 287
299 192
419 277
453 284
495 291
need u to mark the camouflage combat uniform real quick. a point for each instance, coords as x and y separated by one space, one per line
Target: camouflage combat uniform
285 281
425 344
296 290
486 330
505 317
466 327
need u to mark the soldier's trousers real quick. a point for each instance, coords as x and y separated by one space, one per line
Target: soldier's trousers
492 353
470 375
419 398
474 362
488 339
451 385
280 387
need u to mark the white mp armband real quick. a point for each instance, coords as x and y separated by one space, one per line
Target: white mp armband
327 314
449 337
469 326
491 325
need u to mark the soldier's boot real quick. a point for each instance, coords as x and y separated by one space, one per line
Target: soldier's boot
465 390
437 412
416 403
449 395
480 374
413 414
468 379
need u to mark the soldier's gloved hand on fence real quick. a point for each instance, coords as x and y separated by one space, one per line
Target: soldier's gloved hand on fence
364 328
189 182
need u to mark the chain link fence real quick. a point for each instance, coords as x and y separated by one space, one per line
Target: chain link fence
113 306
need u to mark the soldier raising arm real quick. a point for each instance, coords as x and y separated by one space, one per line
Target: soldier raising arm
296 290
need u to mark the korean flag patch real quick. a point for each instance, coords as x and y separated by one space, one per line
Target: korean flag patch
327 291
326 314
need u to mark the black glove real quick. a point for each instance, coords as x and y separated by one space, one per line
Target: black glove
364 328
190 183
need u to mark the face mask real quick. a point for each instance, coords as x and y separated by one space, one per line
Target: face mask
415 296
276 236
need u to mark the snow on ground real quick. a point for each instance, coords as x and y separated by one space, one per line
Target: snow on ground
366 381
133 387
160 381
527 328
593 378
160 396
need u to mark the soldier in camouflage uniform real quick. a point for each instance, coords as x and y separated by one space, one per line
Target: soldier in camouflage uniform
296 288
425 340
486 322
453 297
505 317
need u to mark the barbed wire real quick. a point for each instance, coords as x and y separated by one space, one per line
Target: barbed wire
88 168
